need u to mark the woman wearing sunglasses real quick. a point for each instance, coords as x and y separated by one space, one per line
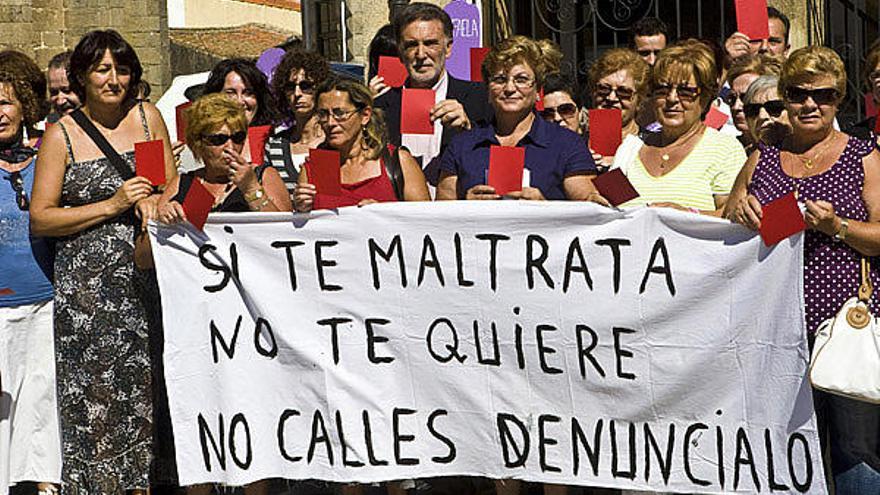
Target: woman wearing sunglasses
765 112
216 132
293 86
619 79
837 178
744 71
561 103
29 447
686 165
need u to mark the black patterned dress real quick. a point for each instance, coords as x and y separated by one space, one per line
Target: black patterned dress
107 342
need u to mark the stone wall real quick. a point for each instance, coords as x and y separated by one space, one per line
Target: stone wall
367 16
42 28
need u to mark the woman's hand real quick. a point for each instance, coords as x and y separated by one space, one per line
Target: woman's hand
527 193
147 209
481 192
241 173
366 201
669 204
378 86
603 163
177 148
595 197
130 192
304 197
747 211
172 212
820 216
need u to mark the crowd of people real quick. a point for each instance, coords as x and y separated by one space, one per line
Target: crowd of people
75 262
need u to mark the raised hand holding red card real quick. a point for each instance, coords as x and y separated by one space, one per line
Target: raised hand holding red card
392 71
506 164
781 219
606 130
324 171
615 187
197 204
149 161
257 137
415 111
752 19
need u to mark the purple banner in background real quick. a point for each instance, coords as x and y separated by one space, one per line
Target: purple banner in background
467 33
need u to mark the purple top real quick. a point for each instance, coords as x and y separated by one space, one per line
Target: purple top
832 269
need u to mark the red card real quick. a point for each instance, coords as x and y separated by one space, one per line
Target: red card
606 128
393 70
752 19
257 137
477 56
149 161
180 120
781 219
715 118
539 103
197 204
415 111
324 171
506 165
615 187
6 291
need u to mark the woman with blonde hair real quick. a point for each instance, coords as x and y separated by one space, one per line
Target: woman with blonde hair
837 178
557 165
686 165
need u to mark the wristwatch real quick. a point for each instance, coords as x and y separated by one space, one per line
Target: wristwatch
258 194
841 233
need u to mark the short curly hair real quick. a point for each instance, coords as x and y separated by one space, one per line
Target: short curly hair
30 105
810 62
24 68
685 59
516 50
618 59
208 114
316 68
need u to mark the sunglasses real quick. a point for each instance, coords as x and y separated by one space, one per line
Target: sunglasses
623 93
821 96
684 92
21 198
220 139
305 86
731 97
566 110
773 107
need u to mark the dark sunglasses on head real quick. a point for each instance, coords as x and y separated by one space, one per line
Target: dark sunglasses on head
21 198
821 96
220 139
305 86
566 110
773 107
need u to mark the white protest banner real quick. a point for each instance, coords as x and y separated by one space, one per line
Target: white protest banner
555 342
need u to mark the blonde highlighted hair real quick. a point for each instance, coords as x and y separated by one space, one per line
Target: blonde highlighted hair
691 57
208 115
618 59
518 50
811 62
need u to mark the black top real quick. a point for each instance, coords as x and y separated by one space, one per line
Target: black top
234 201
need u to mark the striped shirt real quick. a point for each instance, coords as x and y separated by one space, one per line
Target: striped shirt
710 169
278 156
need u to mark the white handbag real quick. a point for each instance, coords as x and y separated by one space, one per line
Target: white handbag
846 352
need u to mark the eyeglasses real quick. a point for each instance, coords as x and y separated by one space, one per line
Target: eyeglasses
821 96
623 93
520 81
338 114
21 198
684 91
220 139
731 97
773 107
874 75
305 86
566 110
647 53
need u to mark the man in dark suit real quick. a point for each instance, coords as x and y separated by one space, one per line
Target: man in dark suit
424 38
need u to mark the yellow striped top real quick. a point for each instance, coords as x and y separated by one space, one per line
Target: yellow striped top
709 170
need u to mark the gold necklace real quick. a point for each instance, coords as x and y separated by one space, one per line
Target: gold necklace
809 162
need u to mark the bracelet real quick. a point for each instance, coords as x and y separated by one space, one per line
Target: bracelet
840 235
258 194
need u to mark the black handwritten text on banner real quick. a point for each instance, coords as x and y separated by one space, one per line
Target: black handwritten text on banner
563 343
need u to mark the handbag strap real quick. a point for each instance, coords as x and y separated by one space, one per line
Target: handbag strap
122 168
866 289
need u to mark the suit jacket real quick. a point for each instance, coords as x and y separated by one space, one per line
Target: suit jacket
472 96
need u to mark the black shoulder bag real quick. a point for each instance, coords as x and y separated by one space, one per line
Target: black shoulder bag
391 158
118 163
